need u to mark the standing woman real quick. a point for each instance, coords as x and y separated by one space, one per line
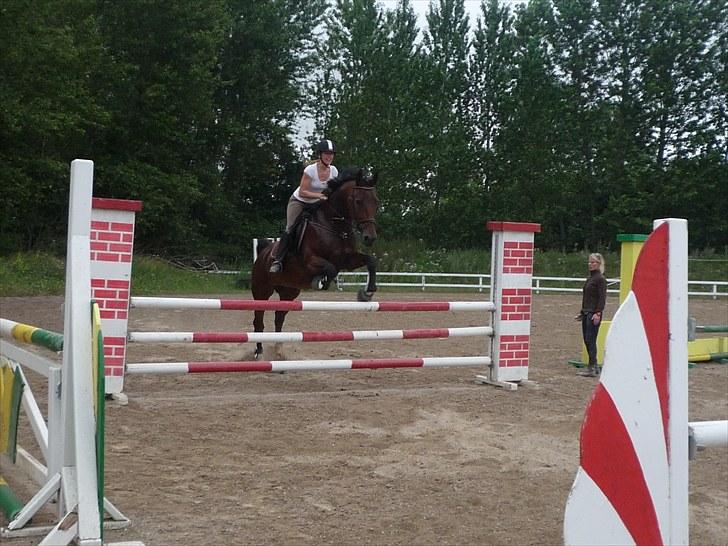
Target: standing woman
311 189
593 300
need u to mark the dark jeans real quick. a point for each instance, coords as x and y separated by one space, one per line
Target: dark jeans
589 332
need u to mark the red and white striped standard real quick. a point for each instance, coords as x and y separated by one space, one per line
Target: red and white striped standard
265 305
301 365
631 486
297 337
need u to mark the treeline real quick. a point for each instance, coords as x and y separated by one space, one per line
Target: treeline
591 117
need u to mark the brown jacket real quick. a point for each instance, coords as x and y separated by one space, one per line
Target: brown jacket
595 293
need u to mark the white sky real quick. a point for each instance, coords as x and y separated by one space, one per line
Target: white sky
472 8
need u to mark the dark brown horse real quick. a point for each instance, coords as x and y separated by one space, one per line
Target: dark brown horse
324 244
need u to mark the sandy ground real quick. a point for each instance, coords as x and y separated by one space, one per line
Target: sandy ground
395 457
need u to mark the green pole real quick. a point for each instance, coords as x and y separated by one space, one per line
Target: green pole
9 503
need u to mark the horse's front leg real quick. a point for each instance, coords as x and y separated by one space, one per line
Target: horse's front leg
355 262
371 263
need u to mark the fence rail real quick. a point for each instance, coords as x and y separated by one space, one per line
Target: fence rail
481 282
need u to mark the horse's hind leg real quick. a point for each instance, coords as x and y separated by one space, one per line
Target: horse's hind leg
258 326
258 316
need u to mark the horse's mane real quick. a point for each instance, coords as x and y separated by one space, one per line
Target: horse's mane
358 174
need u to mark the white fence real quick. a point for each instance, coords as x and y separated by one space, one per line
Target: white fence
481 282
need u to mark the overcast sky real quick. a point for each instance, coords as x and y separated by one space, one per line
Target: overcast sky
472 8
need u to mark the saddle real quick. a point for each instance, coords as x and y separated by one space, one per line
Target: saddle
298 229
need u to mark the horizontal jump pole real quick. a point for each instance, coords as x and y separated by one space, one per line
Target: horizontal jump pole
300 365
712 329
265 305
26 333
709 433
269 337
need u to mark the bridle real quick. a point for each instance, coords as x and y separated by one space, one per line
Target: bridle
353 221
360 223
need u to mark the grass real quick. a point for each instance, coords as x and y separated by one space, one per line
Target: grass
412 256
37 274
31 274
155 276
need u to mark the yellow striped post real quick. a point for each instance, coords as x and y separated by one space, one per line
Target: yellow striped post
11 393
629 252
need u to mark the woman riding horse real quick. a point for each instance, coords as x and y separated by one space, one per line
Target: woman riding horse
313 183
323 242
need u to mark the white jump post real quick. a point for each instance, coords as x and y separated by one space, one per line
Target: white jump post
632 483
510 291
67 441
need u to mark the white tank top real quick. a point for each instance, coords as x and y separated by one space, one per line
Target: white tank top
317 185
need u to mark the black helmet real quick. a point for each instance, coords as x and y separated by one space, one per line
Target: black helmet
326 146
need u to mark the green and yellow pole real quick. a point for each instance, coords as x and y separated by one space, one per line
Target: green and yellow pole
26 333
11 394
99 382
9 503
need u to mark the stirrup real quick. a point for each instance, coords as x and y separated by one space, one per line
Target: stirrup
276 266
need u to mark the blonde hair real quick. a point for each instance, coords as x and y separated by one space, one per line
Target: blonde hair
597 256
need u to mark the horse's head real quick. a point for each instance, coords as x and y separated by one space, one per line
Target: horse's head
357 196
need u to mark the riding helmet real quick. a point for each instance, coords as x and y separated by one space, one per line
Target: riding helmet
326 146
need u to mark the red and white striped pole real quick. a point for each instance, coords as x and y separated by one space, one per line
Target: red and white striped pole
293 337
300 365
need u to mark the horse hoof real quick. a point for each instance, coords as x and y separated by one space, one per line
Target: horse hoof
318 282
363 295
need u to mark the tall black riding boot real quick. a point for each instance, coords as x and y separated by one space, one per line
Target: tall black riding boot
280 253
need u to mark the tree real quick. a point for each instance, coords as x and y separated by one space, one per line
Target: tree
374 87
264 67
48 53
158 84
449 188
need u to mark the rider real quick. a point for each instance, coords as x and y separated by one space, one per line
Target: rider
311 190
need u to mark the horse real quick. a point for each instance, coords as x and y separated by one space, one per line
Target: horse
323 244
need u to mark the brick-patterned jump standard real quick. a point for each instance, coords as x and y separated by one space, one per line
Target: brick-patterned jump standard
510 292
112 239
112 248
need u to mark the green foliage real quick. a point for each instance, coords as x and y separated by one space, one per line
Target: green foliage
48 52
591 117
